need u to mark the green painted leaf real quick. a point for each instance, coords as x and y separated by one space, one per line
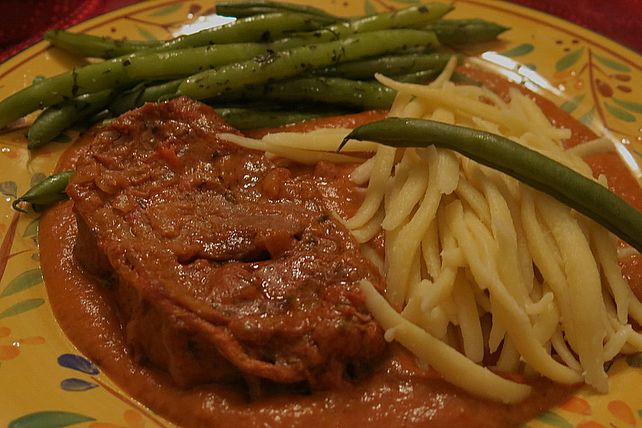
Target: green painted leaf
553 419
611 63
32 228
167 10
572 104
587 118
20 307
629 105
9 188
145 33
408 1
520 50
569 59
369 7
640 413
619 113
49 419
22 282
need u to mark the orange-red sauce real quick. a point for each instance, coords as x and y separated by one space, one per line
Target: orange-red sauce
397 393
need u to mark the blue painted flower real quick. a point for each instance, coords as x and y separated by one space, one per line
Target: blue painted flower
79 363
74 384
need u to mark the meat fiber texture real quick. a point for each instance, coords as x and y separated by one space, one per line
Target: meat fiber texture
224 264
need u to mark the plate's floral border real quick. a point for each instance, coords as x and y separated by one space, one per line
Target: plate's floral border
602 85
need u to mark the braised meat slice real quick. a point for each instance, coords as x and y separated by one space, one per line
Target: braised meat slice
224 264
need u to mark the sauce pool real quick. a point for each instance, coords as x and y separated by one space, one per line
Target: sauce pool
396 394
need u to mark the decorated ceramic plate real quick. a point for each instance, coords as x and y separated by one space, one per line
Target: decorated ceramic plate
44 381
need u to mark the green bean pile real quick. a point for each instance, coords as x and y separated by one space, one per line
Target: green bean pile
272 55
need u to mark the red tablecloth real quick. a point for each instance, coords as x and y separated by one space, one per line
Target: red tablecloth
22 22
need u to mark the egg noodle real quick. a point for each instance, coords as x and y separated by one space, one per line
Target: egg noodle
477 263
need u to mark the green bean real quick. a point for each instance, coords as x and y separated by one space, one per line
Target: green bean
289 63
188 61
336 91
95 46
91 78
464 79
258 7
326 90
254 118
389 65
544 174
410 17
55 119
160 91
457 32
141 94
260 28
47 192
422 76
100 116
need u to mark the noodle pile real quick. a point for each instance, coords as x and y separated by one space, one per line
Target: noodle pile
477 263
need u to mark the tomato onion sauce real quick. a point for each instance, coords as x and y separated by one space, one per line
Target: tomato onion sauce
396 393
